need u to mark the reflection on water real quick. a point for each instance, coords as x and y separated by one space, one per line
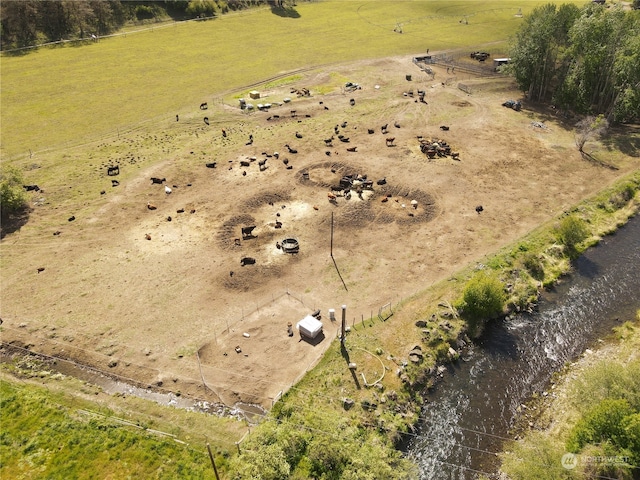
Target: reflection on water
470 412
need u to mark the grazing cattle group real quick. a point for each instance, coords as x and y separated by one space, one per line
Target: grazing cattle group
435 147
348 184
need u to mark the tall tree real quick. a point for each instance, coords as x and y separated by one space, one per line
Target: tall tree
588 59
539 46
20 23
594 39
626 105
54 20
12 194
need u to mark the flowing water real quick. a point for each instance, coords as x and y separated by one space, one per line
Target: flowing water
470 412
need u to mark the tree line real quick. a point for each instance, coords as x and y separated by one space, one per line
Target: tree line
28 23
585 60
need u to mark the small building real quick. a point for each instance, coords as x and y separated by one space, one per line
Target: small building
309 327
254 94
424 59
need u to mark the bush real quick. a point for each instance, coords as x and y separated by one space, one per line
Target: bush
483 298
201 8
12 194
538 457
623 197
571 232
604 422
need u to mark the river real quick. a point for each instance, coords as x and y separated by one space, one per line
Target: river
469 414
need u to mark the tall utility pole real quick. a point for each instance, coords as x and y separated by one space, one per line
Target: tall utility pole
331 243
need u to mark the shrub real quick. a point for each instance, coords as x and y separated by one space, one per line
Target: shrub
12 194
204 8
621 198
538 457
602 423
571 232
483 298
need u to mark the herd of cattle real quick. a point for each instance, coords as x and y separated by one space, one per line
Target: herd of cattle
347 185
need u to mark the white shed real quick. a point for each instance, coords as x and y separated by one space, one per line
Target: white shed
309 327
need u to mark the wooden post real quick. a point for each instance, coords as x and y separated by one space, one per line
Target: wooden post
213 463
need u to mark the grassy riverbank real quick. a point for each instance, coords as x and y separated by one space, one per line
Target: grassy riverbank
587 423
333 402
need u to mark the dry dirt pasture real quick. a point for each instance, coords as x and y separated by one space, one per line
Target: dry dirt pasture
132 293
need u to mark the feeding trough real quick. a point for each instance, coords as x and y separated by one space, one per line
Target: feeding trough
290 245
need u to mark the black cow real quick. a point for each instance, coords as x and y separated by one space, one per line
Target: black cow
479 209
247 232
158 180
247 261
211 165
31 188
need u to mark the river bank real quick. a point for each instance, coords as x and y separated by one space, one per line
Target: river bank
608 371
473 411
392 411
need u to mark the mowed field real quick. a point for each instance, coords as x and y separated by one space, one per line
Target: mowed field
62 97
137 294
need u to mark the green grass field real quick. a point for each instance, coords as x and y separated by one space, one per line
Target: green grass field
49 433
54 98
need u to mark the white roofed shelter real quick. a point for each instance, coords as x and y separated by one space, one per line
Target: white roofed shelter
309 327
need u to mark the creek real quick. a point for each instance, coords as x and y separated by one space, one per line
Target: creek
468 415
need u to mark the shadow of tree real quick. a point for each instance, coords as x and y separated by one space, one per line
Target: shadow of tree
284 11
18 53
597 161
14 221
625 138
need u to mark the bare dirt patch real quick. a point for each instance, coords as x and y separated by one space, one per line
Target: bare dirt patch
130 291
